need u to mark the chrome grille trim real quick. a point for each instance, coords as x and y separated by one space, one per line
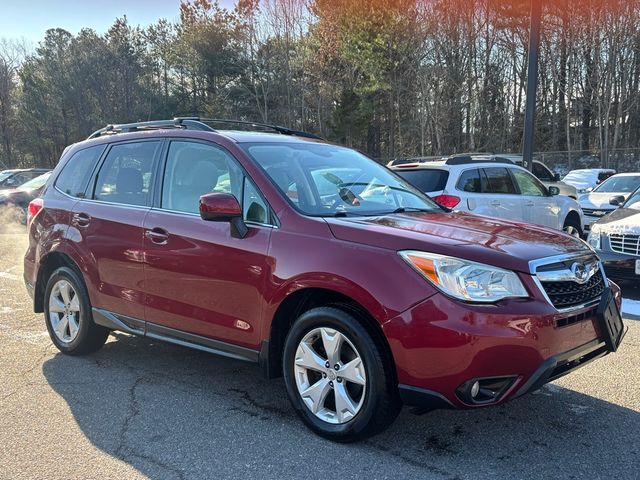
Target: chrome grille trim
625 243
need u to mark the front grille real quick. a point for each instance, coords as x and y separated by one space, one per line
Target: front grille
595 212
623 243
569 294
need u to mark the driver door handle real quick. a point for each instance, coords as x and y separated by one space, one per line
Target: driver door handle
157 235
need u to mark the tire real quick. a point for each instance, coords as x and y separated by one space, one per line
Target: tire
68 315
372 400
572 227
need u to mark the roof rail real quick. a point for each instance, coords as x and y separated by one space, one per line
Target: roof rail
467 159
282 130
189 123
194 123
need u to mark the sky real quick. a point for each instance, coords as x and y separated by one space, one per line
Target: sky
29 19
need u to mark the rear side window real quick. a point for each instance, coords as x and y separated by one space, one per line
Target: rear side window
426 180
498 181
126 174
469 181
75 175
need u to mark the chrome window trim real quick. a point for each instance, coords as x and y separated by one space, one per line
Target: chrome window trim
191 214
93 200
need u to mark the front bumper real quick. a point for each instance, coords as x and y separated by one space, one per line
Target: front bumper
619 266
440 344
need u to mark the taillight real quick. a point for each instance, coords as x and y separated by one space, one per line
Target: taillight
447 201
34 207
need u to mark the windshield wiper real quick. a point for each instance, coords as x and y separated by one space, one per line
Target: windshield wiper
412 209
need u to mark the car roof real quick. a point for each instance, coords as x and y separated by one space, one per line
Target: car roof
628 174
442 165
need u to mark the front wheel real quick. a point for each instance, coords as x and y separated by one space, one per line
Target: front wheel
572 227
338 377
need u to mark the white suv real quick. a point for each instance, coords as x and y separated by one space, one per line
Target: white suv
497 189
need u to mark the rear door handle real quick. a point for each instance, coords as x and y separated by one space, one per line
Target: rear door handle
157 235
81 219
495 203
529 204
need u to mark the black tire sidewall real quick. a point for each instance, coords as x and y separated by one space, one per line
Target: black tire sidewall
377 378
85 317
570 222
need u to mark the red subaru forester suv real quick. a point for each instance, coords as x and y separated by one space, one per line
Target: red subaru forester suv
315 262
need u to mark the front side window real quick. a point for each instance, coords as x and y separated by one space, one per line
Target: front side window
126 174
498 181
327 180
75 175
528 184
195 169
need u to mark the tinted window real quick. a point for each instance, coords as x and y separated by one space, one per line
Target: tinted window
469 181
498 181
528 184
425 180
194 169
542 172
125 175
75 175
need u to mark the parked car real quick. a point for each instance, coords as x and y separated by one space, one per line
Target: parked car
616 239
364 294
19 198
14 178
540 170
498 188
587 179
596 203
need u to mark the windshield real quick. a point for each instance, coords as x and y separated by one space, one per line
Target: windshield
326 180
35 182
634 201
624 184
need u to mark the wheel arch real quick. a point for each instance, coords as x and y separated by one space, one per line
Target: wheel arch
302 300
49 264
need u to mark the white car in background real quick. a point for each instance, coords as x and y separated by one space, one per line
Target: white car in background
596 203
587 178
496 189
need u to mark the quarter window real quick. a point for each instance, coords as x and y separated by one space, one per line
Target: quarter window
75 175
498 181
126 174
469 181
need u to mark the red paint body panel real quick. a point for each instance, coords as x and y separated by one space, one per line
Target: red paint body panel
202 280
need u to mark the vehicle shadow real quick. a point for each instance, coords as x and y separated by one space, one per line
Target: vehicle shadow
171 412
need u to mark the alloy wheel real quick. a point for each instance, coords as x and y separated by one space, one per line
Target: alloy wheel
330 375
64 311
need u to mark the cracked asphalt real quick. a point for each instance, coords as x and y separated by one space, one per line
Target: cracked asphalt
139 408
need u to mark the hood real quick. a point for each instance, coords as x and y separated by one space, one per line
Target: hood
487 240
596 200
623 220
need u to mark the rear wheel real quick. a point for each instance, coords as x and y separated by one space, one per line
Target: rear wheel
338 377
572 227
68 314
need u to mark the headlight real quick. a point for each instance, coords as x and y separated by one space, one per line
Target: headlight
594 238
464 279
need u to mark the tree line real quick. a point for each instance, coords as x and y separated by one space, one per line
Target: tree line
392 78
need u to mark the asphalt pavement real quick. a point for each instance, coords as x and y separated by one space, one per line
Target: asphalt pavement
139 408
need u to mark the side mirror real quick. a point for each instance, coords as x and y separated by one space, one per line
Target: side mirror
556 177
617 200
553 191
223 207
